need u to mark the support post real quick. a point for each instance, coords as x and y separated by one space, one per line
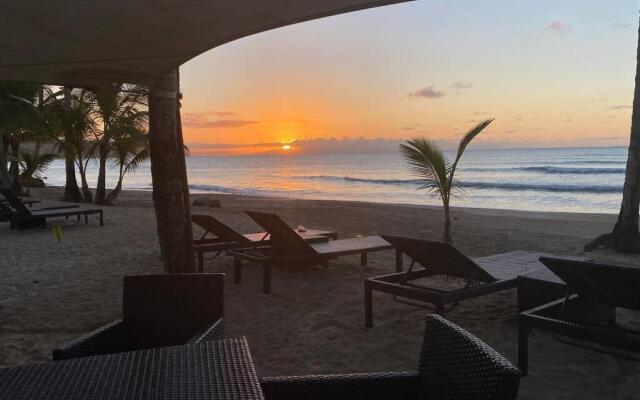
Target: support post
169 174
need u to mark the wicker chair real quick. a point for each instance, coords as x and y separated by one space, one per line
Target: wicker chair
453 365
157 311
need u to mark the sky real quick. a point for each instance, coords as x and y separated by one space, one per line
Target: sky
552 74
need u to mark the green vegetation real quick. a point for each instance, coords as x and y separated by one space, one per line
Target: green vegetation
106 125
437 173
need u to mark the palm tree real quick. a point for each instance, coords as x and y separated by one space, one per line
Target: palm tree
116 106
437 173
625 236
32 165
129 151
17 124
80 126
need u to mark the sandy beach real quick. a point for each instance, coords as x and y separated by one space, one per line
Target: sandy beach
313 322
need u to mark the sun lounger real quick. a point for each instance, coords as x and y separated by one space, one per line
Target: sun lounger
227 238
23 217
453 364
157 311
588 312
26 202
288 248
480 276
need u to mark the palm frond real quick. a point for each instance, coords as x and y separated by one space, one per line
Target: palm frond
428 163
464 142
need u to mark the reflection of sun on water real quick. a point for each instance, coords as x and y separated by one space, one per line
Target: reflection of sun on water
286 147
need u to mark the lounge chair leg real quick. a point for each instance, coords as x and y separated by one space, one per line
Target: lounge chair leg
368 306
78 217
523 347
266 278
101 218
363 259
237 270
86 218
398 261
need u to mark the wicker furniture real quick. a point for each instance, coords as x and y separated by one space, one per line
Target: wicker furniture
157 310
227 238
288 248
588 312
220 370
481 276
22 217
453 365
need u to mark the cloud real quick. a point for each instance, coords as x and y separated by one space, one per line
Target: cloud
428 92
621 107
598 99
558 26
211 120
461 85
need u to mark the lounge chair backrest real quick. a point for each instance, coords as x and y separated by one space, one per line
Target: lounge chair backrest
218 228
281 234
440 257
14 201
454 364
165 309
613 285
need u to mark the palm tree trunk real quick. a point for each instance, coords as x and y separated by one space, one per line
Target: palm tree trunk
101 189
168 171
71 190
86 192
113 194
446 235
625 236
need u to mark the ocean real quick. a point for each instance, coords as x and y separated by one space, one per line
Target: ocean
560 179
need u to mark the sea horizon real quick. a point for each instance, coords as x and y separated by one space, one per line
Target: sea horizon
560 179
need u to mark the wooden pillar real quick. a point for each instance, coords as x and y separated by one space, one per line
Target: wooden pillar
169 173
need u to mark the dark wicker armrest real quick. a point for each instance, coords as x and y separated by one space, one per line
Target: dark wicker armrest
367 386
110 338
213 332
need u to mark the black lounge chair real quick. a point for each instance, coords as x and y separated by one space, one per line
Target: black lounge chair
227 238
453 364
23 217
288 248
588 312
157 311
481 276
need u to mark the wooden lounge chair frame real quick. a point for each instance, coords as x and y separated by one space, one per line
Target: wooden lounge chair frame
227 238
606 286
23 217
443 259
288 248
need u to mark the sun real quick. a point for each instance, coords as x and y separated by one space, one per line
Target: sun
286 147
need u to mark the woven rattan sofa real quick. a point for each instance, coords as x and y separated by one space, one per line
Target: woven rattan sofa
157 311
453 364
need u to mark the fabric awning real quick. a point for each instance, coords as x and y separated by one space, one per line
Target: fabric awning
92 42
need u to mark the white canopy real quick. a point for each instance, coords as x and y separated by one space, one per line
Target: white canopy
91 42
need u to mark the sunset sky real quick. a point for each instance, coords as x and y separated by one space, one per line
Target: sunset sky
552 73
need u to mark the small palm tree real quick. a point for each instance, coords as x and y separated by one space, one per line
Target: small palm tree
437 173
33 164
129 151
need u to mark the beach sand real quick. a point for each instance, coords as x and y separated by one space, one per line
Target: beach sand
313 322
